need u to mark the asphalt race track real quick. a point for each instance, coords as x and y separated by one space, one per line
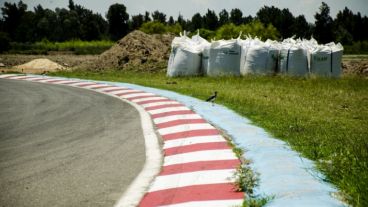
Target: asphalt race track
64 146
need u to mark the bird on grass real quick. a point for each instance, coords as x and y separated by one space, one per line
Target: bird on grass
212 98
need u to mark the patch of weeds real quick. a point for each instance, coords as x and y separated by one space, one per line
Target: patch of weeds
257 201
245 179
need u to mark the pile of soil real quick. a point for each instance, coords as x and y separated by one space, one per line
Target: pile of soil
41 65
357 66
137 50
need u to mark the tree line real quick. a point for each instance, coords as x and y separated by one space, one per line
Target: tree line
18 24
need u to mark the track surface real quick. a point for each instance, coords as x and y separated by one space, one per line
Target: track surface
64 146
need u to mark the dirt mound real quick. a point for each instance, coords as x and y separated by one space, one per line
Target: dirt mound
38 66
356 66
137 50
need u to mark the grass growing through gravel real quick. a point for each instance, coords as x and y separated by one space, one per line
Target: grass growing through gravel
324 119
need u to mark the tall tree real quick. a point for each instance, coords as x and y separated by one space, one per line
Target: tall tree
210 20
171 21
236 16
323 31
197 22
118 21
283 20
301 27
12 15
223 17
137 21
147 17
159 16
181 21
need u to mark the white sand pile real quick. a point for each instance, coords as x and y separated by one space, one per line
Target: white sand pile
41 64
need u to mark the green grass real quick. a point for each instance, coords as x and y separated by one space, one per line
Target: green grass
75 46
324 119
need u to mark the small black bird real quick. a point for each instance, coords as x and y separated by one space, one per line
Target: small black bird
212 98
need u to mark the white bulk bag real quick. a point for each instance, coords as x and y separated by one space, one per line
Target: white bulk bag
205 59
320 61
260 58
204 47
224 58
293 59
336 56
185 58
325 60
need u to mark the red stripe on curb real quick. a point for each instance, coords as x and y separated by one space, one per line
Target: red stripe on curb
224 191
68 83
54 81
171 113
139 97
128 93
86 84
22 78
116 89
153 101
99 87
199 166
39 79
10 77
162 106
191 133
180 122
196 148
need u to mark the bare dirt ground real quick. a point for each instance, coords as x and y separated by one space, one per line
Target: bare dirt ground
355 64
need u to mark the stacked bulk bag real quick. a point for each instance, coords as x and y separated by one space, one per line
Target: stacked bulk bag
259 57
224 58
320 61
336 56
325 60
293 59
185 57
204 46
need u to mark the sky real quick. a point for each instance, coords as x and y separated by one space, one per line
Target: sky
188 8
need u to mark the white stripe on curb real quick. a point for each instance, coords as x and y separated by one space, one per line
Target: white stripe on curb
159 103
176 117
137 95
215 203
149 99
207 155
170 109
184 127
191 178
192 140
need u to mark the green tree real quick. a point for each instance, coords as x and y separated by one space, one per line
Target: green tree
323 31
197 22
118 21
153 27
210 20
159 17
137 21
236 16
147 17
301 27
171 21
283 20
182 22
254 29
12 15
223 17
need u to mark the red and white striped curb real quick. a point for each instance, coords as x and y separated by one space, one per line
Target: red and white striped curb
198 164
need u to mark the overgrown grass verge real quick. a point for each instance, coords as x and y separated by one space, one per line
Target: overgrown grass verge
324 119
77 47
